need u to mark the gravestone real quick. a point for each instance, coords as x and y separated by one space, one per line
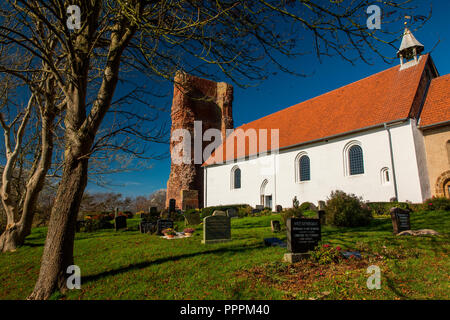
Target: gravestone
146 227
276 226
400 220
192 219
216 229
172 204
259 207
162 224
321 216
219 213
232 212
120 222
303 235
278 208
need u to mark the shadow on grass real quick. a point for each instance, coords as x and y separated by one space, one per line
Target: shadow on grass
391 286
145 264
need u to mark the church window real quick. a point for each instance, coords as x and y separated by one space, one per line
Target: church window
235 178
385 176
355 160
448 151
305 170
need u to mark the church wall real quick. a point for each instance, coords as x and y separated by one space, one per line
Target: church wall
327 172
437 142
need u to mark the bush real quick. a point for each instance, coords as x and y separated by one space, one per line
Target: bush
290 213
326 254
346 210
245 211
440 203
91 225
306 206
383 208
209 210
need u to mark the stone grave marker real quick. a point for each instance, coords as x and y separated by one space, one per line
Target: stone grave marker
120 222
321 216
192 219
146 227
172 203
303 235
162 224
276 226
219 213
400 220
216 229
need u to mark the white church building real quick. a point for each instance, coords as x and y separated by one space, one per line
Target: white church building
364 138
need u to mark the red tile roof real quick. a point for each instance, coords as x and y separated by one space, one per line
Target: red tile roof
383 97
437 105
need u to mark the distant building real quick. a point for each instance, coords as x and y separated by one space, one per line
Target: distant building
383 137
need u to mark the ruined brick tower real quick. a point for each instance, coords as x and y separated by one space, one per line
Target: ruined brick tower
196 99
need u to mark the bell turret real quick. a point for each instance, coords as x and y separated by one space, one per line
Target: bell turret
410 48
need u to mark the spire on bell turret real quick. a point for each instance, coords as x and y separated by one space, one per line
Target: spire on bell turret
410 48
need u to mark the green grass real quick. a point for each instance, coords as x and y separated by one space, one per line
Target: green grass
130 265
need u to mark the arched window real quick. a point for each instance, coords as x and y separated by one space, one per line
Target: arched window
385 176
235 178
302 167
305 170
355 160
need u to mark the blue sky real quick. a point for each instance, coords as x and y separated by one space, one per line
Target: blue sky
283 90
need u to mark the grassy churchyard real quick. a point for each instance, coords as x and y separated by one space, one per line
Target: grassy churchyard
130 265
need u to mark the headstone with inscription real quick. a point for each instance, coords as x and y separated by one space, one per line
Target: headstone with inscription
303 235
162 224
216 229
400 220
120 222
146 226
276 226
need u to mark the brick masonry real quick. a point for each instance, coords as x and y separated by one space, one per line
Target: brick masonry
196 99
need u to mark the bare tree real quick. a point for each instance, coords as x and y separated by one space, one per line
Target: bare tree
155 38
20 208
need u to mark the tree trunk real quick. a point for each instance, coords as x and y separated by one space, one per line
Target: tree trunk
58 250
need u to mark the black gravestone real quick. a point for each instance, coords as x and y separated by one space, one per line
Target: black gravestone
172 203
120 222
400 220
216 229
163 224
303 235
146 227
321 216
